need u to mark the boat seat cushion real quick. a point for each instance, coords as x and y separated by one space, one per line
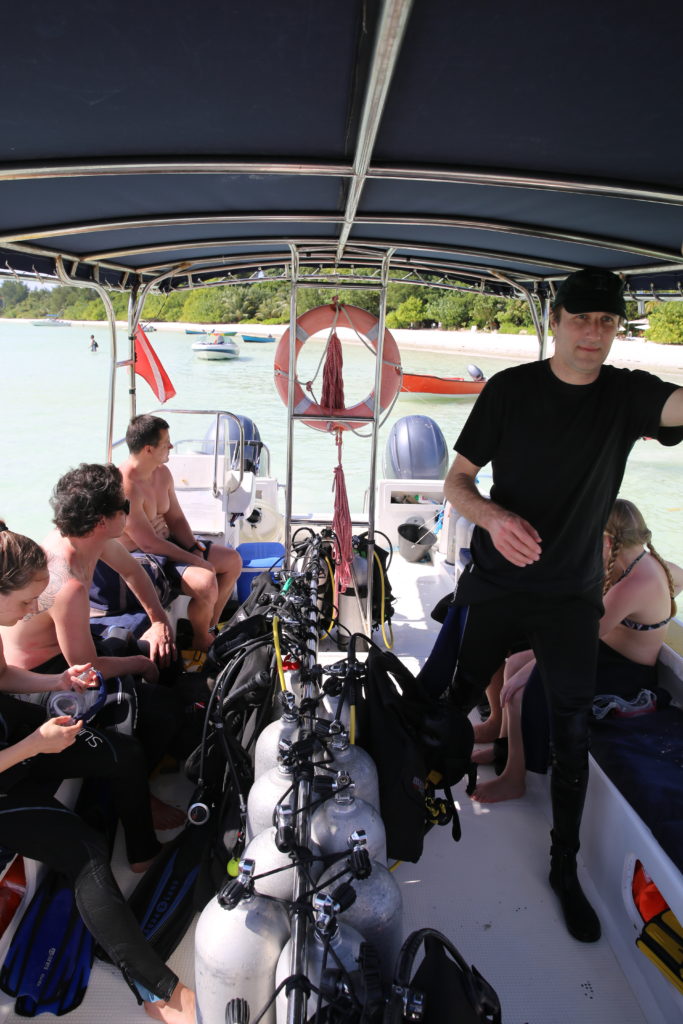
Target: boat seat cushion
643 757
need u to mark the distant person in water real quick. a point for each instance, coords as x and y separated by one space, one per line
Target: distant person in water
639 592
156 523
93 344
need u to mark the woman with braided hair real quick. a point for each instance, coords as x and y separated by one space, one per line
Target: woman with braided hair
638 597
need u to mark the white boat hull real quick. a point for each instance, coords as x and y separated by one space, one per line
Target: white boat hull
214 352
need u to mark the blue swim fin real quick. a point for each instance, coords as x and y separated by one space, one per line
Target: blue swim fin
47 967
163 900
48 964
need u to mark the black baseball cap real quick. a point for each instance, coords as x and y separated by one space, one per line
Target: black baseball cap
592 291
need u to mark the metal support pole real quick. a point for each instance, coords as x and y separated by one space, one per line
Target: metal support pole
545 320
377 412
103 294
133 313
290 405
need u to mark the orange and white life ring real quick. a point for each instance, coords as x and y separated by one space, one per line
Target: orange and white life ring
320 319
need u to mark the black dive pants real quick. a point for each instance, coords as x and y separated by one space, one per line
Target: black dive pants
563 633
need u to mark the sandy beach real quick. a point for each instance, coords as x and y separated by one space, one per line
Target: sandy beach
631 351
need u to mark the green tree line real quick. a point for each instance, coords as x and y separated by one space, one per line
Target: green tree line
267 302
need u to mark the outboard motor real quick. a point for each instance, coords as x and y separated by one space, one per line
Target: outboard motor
416 450
229 430
475 373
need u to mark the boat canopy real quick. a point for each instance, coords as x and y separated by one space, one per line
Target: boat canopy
496 146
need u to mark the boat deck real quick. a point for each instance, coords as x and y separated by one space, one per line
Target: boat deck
488 893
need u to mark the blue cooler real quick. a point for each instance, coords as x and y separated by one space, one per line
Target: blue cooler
256 558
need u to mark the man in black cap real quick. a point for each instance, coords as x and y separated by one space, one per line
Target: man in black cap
558 434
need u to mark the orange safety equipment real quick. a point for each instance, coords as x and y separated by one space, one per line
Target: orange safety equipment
334 316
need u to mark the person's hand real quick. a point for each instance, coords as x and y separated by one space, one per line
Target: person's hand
56 734
69 679
514 538
159 636
513 686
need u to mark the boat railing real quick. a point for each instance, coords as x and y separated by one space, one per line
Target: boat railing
228 484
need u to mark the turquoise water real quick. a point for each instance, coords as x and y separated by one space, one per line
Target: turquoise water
53 402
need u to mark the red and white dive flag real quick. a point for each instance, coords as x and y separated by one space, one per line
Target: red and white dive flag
148 366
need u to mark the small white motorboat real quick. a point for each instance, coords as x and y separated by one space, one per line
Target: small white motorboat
217 346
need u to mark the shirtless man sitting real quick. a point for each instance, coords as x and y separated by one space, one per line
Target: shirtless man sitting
90 513
207 572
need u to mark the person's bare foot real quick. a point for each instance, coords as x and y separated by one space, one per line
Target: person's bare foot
165 816
179 1009
484 756
487 732
497 790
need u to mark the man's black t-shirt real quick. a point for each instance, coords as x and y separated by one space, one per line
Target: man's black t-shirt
558 453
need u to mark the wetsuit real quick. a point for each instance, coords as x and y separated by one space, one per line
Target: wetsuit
558 453
35 824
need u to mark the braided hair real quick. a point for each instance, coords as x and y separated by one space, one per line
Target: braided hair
20 560
627 528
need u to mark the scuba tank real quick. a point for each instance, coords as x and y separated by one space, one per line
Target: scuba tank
357 763
237 943
326 934
266 792
284 728
377 912
270 850
342 814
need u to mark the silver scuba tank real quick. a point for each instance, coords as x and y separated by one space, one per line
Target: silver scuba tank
357 763
284 728
237 944
328 709
327 932
342 814
269 849
267 790
377 912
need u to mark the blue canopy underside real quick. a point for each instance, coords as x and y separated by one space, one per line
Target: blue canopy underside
525 138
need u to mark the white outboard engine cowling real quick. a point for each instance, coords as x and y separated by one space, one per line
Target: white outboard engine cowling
416 450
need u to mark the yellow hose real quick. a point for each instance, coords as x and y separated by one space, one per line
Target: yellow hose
391 632
278 652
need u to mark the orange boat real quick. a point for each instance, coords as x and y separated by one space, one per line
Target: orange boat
429 384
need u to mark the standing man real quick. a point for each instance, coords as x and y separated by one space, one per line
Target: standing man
207 572
558 434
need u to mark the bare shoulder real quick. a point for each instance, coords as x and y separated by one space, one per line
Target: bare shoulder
163 479
63 587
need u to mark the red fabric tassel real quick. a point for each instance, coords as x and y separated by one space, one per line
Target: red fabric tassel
332 396
341 524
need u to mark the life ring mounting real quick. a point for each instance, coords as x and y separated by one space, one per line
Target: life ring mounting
364 323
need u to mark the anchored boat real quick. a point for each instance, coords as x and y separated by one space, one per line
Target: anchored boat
446 387
217 346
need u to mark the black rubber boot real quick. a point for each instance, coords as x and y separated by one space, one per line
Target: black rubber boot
568 792
580 918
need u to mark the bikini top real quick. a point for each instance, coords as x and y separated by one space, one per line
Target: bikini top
642 627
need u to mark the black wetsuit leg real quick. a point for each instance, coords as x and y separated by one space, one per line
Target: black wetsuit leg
34 824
